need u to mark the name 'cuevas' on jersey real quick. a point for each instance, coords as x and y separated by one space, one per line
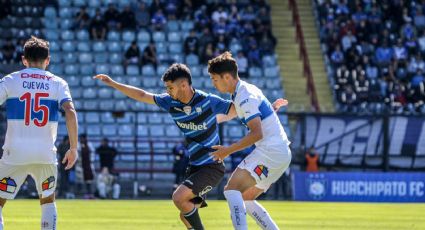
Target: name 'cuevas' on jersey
198 122
33 98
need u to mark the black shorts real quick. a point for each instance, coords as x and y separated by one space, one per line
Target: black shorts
202 179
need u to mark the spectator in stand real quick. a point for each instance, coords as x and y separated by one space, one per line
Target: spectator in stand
112 17
8 52
337 57
348 99
159 20
384 55
220 28
149 55
180 164
233 23
219 14
312 160
400 55
98 27
397 98
171 8
348 41
132 55
82 20
86 167
371 70
202 21
208 53
107 155
191 43
416 63
127 19
254 56
361 85
266 45
242 62
221 44
204 40
64 181
5 9
248 14
143 16
107 186
264 16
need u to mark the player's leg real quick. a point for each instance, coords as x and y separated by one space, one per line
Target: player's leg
185 222
182 198
239 181
2 203
45 178
256 210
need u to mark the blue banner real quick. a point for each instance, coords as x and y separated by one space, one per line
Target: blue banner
359 187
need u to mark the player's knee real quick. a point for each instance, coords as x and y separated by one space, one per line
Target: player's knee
46 200
178 197
2 202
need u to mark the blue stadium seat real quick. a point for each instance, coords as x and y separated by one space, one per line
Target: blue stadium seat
255 72
235 47
164 57
173 131
99 47
175 48
71 69
109 130
87 81
85 58
76 92
174 37
62 130
259 82
160 70
161 47
127 118
205 71
115 58
113 36
142 45
55 57
79 3
235 131
178 58
148 70
70 58
68 46
54 46
101 57
128 36
197 82
67 35
83 46
142 118
192 59
63 3
78 104
271 71
66 24
118 95
106 105
269 61
105 93
148 82
156 131
142 131
50 23
56 69
107 117
89 93
135 81
195 70
187 25
173 26
65 12
94 4
155 118
117 70
158 36
114 46
87 69
207 83
133 70
121 105
51 35
90 104
50 12
273 83
92 117
73 81
83 35
144 36
102 68
137 106
93 130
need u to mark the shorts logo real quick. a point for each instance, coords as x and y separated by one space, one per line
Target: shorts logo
261 170
48 183
8 185
205 190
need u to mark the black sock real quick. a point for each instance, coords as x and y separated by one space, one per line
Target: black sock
194 220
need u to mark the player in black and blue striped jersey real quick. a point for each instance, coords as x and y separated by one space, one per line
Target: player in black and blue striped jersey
197 114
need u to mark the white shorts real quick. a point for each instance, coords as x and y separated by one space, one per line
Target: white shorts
267 164
13 176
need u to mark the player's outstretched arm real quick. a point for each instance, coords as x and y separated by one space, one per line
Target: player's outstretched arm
130 91
72 126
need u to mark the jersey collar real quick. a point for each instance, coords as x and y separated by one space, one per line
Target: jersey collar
236 90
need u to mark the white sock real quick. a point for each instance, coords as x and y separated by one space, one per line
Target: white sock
1 218
237 209
260 215
48 216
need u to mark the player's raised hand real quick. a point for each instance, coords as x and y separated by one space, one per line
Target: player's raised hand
70 158
104 78
279 103
221 153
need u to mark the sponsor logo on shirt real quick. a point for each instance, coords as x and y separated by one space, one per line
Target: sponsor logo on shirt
192 126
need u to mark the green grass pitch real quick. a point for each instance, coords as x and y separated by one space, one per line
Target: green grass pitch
161 215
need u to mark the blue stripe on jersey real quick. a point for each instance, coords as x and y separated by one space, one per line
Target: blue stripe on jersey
207 159
213 140
265 109
16 109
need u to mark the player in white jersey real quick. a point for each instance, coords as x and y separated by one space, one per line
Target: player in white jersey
271 156
33 97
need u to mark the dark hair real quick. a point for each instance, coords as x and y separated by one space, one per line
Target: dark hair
36 49
177 71
224 63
